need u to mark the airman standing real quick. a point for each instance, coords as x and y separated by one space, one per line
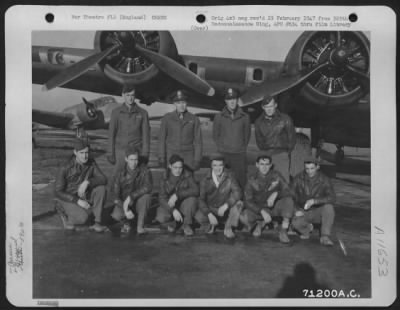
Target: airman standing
231 133
180 133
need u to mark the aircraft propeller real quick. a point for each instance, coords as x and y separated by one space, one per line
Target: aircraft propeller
126 41
90 108
275 87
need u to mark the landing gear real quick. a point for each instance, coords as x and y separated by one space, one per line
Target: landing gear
339 154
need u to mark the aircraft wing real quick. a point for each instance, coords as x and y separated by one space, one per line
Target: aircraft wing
54 119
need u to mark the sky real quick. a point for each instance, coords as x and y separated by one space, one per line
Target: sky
258 45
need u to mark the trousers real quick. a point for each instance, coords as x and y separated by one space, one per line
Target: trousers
230 217
187 207
281 162
283 207
139 207
324 215
76 215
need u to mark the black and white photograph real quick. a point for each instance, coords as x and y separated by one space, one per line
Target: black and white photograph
222 164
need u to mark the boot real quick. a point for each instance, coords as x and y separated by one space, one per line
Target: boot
258 230
283 236
229 233
211 230
141 231
325 240
305 233
187 230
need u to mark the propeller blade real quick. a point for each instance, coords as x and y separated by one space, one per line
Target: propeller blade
272 88
364 79
177 72
77 69
85 101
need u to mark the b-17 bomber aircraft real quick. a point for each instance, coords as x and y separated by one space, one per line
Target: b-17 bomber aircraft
323 83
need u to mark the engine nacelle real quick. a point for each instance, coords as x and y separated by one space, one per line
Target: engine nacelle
127 65
86 113
335 85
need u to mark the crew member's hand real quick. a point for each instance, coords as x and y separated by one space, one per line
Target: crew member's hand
83 204
271 199
273 185
172 200
82 189
299 213
222 209
213 220
266 217
111 159
129 214
177 216
309 203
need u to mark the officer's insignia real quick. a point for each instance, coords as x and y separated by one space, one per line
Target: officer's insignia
230 91
179 94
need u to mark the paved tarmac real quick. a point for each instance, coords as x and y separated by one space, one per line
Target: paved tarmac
163 265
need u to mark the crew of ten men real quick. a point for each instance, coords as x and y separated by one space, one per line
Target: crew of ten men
224 196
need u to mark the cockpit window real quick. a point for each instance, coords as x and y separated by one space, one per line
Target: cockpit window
257 74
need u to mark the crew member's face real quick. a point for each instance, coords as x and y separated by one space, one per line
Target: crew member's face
132 160
217 167
270 108
181 106
82 156
231 103
311 169
129 98
176 168
263 166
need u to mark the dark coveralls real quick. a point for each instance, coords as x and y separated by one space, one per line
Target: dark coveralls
277 137
181 137
137 184
231 133
321 190
213 197
187 190
69 178
257 191
127 128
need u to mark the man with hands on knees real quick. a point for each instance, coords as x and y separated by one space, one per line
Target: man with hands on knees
314 196
132 188
267 195
178 196
219 199
80 189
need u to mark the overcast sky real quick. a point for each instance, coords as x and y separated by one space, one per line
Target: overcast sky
258 45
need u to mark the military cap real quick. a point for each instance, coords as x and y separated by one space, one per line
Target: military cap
128 88
267 100
311 159
217 156
231 93
175 158
179 96
80 144
130 150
